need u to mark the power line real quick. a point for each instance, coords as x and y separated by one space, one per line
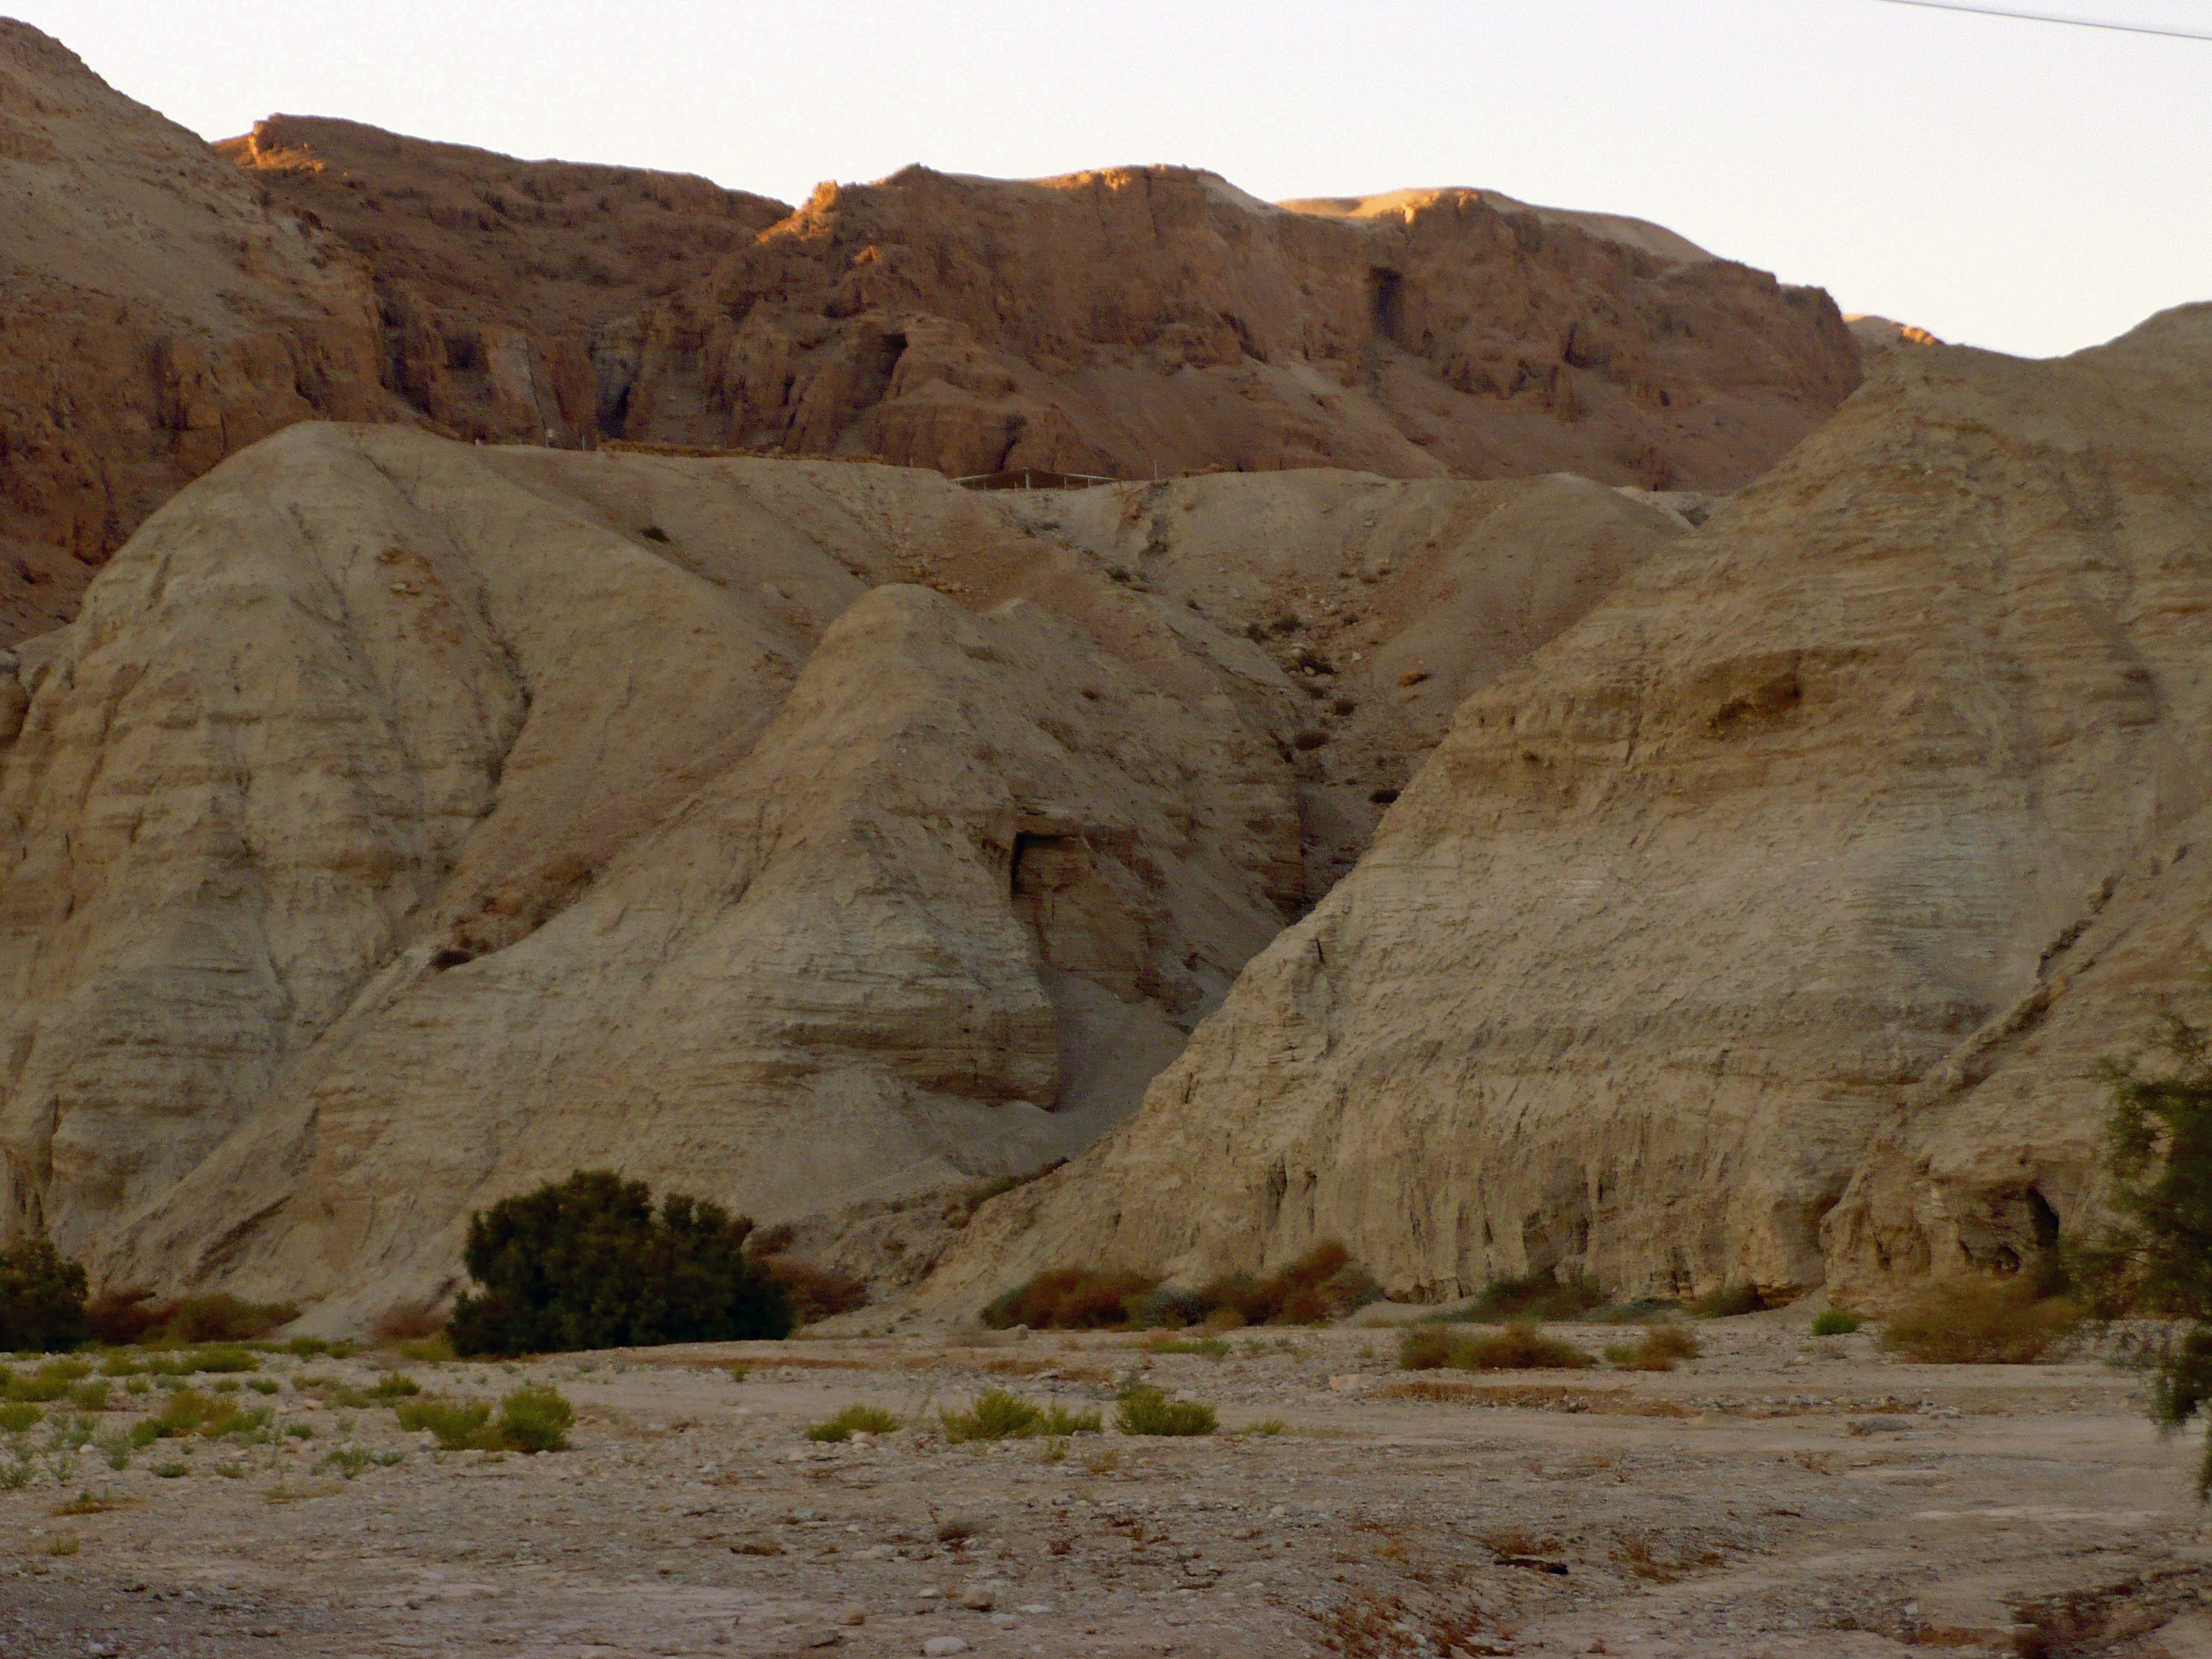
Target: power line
2047 17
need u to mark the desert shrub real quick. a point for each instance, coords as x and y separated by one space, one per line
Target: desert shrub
535 1420
188 1412
394 1385
458 1424
18 1417
223 1317
854 1420
587 1263
1148 1411
120 1318
995 1414
41 1298
1071 1299
1212 1346
817 1293
430 1350
1538 1297
407 1322
1425 1348
2157 1259
1728 1302
1980 1320
89 1397
1518 1347
1661 1347
1834 1322
1321 1284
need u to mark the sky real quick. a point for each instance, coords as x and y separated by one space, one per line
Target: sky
2024 186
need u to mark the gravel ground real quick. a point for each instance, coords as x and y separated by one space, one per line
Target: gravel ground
1780 1496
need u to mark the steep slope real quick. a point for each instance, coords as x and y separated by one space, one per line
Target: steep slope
1765 882
154 318
495 276
1387 602
404 822
1144 321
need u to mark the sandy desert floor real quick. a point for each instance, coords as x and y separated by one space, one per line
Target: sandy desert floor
1780 1496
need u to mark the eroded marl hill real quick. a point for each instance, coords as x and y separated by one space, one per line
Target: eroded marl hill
1768 924
406 822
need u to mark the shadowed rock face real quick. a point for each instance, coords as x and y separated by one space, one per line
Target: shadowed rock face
1137 321
1768 924
404 823
155 316
493 276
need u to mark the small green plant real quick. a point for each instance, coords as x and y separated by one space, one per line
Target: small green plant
299 1432
119 1364
264 1385
458 1424
172 1470
429 1351
535 1420
854 1420
17 1416
345 1462
115 1447
1267 1426
1212 1346
1662 1348
394 1385
231 1470
1148 1411
63 1543
1834 1322
16 1474
995 1414
89 1397
41 1298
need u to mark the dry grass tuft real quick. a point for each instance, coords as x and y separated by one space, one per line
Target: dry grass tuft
1520 1347
1662 1348
1981 1321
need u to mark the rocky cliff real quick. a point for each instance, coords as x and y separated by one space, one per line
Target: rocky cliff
155 316
495 277
1768 924
404 822
1142 321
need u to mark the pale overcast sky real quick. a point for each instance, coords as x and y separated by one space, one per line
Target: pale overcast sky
2020 185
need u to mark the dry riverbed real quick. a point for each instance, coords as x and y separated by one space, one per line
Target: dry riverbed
1781 1495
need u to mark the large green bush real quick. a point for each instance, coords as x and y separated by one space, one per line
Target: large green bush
2159 1258
41 1299
587 1263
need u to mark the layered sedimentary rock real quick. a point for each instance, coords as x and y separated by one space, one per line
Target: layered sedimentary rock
155 316
1768 924
404 822
1136 322
495 277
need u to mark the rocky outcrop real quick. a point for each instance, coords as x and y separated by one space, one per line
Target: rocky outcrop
1142 322
496 279
154 318
1767 924
404 822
